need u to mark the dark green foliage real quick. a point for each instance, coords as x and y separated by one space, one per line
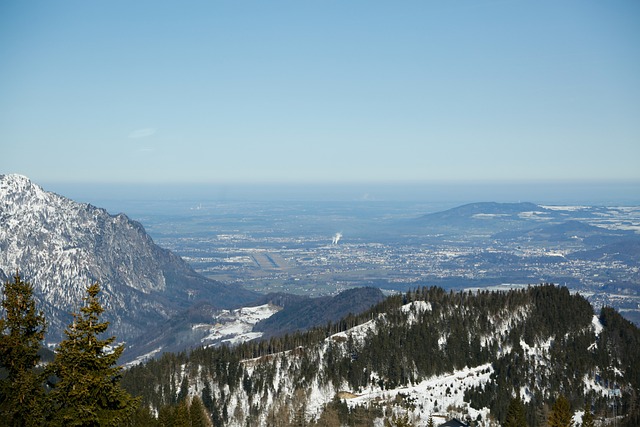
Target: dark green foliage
197 413
633 419
560 415
142 417
587 418
303 313
564 318
88 391
515 414
620 334
358 416
446 332
182 417
83 374
21 332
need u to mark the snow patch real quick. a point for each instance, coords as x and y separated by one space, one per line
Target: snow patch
443 394
565 208
359 332
597 325
236 326
415 308
534 215
142 359
487 216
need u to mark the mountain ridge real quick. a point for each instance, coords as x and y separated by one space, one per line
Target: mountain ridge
291 314
488 208
61 246
429 352
310 312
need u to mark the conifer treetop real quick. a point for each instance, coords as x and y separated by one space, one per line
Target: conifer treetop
89 391
22 329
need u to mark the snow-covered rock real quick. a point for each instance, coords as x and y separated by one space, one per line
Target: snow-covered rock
61 246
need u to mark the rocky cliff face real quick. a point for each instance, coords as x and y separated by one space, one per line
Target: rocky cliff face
61 246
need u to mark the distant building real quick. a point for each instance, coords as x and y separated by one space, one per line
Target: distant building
454 423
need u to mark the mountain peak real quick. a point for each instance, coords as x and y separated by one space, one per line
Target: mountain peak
61 246
14 177
20 196
15 183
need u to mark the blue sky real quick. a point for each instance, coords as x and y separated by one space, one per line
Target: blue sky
320 91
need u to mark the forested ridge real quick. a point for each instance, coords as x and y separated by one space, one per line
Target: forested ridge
532 356
539 342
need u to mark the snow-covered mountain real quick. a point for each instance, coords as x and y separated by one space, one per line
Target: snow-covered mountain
61 246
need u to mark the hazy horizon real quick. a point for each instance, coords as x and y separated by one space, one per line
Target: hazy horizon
625 193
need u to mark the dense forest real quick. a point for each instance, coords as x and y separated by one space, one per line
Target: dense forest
406 339
542 351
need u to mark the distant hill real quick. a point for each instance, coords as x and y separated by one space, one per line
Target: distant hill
308 312
484 210
626 251
485 217
565 231
61 246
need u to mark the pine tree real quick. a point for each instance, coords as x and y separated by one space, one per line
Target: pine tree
587 418
142 418
560 415
182 417
88 391
402 421
197 413
167 416
515 414
430 422
22 330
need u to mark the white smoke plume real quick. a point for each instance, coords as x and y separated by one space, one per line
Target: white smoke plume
336 238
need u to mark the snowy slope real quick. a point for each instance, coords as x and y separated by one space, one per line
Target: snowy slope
61 246
236 326
440 396
226 327
408 357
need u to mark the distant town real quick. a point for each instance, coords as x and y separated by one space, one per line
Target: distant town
272 247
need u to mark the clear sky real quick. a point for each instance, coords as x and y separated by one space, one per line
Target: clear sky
320 91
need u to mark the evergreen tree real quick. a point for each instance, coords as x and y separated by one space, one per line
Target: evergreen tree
88 391
142 418
430 422
21 331
515 414
182 417
167 416
402 421
198 413
560 415
328 418
587 418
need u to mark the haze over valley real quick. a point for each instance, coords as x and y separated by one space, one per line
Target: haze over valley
321 247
